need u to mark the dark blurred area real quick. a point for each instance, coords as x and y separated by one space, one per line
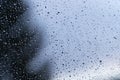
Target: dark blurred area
18 43
116 79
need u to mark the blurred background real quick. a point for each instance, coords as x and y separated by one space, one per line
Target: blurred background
81 38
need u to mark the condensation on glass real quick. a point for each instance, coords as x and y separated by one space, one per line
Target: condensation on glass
80 39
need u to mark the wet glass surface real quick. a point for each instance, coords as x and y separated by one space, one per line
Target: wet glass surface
60 39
